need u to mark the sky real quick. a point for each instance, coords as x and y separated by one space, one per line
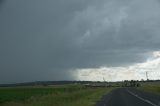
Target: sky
46 40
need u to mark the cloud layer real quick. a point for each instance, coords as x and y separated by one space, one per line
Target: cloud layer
44 40
133 72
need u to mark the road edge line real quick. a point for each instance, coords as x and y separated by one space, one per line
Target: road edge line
145 100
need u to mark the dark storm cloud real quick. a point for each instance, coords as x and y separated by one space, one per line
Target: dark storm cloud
33 45
42 40
1 2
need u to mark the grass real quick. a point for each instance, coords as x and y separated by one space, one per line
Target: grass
23 93
51 96
151 88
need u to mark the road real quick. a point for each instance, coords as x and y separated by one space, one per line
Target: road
129 97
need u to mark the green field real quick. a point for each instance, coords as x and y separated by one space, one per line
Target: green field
153 87
51 96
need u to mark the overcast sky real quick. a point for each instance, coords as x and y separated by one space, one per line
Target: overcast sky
76 39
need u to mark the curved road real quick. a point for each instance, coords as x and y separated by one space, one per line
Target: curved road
129 97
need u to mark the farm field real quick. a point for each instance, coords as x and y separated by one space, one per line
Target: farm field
151 88
51 96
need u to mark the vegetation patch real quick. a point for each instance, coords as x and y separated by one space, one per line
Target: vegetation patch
151 88
51 96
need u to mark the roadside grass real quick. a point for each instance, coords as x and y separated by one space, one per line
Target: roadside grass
63 96
151 88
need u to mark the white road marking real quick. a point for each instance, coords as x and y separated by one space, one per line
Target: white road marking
145 100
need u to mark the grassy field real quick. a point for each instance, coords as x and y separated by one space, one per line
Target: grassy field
153 87
51 96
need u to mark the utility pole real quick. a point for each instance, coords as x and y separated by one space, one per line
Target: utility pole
147 76
104 79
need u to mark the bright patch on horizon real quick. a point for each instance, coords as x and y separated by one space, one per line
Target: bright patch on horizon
133 72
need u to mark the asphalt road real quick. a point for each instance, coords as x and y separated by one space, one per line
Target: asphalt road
129 97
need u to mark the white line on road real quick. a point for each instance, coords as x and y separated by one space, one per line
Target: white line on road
145 100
